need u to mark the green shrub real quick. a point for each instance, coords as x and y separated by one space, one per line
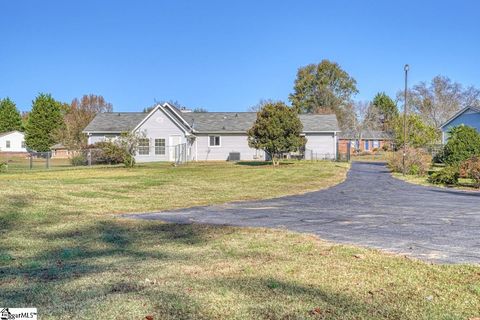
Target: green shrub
448 175
417 161
108 153
3 166
78 160
470 168
463 143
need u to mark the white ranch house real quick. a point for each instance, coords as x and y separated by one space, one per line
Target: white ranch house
12 142
204 136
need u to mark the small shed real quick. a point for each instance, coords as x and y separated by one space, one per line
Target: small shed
59 151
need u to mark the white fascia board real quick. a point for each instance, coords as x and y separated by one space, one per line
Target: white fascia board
167 105
160 107
458 114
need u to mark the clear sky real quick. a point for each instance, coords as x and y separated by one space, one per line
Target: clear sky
226 55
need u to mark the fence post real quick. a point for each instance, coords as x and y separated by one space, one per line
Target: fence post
31 161
89 157
48 160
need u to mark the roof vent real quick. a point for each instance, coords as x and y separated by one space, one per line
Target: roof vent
223 128
236 115
118 114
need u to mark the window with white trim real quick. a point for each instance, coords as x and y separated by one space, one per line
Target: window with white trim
144 147
160 146
7 144
23 145
214 141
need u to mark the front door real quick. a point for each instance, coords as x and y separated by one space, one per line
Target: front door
173 141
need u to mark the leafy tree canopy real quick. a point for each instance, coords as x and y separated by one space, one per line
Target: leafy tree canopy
77 116
43 124
10 118
276 130
463 143
420 134
323 88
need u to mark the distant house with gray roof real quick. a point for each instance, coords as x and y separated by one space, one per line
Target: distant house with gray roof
204 136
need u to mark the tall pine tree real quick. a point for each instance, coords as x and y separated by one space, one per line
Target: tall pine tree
10 118
44 121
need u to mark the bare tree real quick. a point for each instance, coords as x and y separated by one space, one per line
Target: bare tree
257 107
437 101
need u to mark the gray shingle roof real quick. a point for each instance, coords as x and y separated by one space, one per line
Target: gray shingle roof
242 121
115 121
366 134
206 121
319 122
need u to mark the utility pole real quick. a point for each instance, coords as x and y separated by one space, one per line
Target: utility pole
405 110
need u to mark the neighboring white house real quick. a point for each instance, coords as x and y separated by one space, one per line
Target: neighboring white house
13 141
205 136
469 116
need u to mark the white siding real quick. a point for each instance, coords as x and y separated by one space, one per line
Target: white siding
320 146
160 126
100 137
15 140
228 143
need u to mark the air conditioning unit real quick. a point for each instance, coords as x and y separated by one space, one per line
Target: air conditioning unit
234 156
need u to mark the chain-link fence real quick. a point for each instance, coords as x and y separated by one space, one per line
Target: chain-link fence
318 156
33 160
181 155
87 157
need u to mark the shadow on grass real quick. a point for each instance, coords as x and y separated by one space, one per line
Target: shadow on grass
51 279
87 251
261 163
99 268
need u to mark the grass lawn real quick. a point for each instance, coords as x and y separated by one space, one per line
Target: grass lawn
379 156
463 184
62 251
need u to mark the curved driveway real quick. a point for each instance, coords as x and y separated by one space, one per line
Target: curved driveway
370 208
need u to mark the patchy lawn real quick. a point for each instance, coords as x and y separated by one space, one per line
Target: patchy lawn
62 252
463 184
379 156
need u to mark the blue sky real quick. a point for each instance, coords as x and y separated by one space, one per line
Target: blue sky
226 55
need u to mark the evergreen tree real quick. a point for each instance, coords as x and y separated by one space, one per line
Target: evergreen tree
385 109
43 123
10 118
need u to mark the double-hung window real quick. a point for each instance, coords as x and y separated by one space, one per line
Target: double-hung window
144 147
160 146
7 144
214 141
23 144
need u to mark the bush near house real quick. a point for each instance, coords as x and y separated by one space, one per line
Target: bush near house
448 176
470 169
107 152
417 161
462 144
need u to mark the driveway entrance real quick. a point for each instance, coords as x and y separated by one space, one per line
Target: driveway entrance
371 208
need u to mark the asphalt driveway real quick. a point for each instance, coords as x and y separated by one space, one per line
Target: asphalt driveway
370 209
